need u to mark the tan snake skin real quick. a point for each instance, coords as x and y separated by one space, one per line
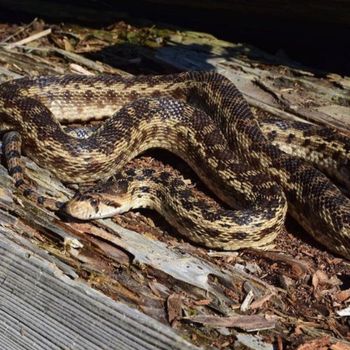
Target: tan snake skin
199 116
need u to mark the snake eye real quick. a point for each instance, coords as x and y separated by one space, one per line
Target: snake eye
94 202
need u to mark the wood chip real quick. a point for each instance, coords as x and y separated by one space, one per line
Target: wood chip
248 323
174 307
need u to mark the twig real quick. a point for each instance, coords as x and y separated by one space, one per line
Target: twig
98 66
20 30
247 301
9 73
29 39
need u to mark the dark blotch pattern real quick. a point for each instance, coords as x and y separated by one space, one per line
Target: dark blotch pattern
12 154
15 170
27 192
290 138
41 200
19 183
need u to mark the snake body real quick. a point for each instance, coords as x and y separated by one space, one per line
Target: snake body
201 117
145 184
325 148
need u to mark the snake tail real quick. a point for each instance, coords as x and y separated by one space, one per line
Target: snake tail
12 150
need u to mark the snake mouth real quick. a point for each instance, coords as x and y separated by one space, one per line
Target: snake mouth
86 207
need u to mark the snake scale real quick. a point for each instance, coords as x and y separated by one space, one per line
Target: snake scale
204 119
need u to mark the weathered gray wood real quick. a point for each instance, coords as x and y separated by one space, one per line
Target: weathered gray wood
42 308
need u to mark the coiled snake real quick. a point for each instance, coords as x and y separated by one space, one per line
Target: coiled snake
201 117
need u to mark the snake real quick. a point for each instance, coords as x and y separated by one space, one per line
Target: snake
202 118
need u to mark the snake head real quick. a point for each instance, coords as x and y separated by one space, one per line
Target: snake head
101 202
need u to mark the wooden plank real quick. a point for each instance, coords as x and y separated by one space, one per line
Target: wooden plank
41 307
